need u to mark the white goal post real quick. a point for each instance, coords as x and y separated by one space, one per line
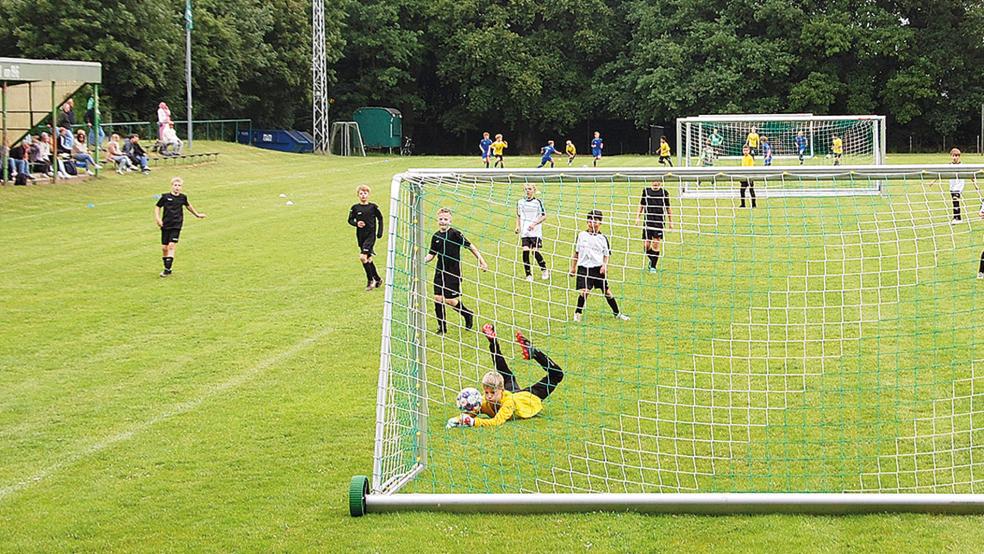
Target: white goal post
708 139
816 353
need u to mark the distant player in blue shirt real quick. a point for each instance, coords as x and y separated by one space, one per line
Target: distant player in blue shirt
800 145
546 154
766 150
484 146
597 145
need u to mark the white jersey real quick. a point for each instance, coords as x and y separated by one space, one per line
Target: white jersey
529 211
592 249
957 185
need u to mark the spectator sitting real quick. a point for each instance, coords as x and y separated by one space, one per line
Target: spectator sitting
18 161
136 153
115 152
80 152
171 141
65 141
40 155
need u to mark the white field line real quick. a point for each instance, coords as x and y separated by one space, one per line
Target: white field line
210 392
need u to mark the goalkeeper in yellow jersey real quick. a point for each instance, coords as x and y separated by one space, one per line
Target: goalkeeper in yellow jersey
752 142
503 399
747 183
571 152
664 152
837 147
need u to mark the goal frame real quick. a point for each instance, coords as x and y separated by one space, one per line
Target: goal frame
378 495
688 130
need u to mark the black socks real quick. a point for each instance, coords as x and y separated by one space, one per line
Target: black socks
442 323
612 304
168 261
526 262
580 304
653 256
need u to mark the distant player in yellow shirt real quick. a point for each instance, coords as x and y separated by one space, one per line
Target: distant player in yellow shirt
503 399
752 142
571 152
837 147
664 152
497 147
747 161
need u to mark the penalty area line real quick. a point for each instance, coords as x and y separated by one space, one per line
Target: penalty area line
185 407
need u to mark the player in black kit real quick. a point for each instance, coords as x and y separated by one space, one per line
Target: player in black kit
446 246
173 204
368 222
655 203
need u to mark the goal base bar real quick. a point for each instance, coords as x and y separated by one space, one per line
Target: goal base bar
681 503
779 193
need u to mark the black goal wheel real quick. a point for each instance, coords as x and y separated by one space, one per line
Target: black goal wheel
358 489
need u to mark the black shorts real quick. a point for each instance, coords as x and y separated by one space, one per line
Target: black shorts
590 278
653 230
447 285
954 195
170 235
531 242
366 245
753 152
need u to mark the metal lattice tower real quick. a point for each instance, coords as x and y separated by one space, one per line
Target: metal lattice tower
319 70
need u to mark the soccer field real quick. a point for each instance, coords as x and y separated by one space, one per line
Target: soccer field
226 407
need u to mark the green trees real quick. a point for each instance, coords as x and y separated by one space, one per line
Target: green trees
532 68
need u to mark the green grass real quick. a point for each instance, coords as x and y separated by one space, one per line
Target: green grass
226 408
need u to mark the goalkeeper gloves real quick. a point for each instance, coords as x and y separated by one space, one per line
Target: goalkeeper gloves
463 420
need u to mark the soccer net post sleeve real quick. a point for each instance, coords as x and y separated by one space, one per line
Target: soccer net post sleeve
818 352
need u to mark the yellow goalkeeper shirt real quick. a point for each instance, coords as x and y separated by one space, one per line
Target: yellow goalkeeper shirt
753 140
838 146
522 405
498 146
747 160
571 151
664 149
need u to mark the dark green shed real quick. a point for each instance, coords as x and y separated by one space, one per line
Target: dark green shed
380 127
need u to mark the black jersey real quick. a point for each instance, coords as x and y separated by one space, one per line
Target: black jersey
173 206
655 202
370 215
447 247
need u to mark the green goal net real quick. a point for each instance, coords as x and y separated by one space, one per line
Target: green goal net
827 340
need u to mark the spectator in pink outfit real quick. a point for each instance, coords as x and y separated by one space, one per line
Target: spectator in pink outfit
163 118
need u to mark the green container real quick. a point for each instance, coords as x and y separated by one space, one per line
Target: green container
380 127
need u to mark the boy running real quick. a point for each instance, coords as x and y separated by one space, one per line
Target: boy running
590 265
368 222
484 147
546 154
766 150
597 145
571 152
664 152
529 217
655 203
747 161
837 147
801 146
504 400
173 204
497 147
446 246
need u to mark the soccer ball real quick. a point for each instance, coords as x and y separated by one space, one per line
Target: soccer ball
469 400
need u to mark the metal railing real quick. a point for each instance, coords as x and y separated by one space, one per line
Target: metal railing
205 129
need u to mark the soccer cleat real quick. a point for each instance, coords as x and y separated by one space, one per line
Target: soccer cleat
469 319
369 287
524 345
165 273
652 269
545 275
622 317
577 317
954 221
441 330
980 275
489 331
529 278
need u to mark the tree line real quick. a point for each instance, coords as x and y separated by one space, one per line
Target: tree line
530 69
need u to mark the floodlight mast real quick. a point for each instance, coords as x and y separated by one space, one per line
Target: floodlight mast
319 70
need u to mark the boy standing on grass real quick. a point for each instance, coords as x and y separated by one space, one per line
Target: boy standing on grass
747 183
446 246
980 268
368 222
655 203
752 142
837 147
173 204
957 186
504 400
571 152
485 146
597 145
801 144
766 151
590 265
530 216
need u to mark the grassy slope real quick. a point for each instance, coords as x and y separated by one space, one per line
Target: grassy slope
226 408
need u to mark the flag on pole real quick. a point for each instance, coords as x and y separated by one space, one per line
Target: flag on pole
188 23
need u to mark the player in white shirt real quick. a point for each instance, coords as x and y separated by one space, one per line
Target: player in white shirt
980 269
590 265
957 186
530 215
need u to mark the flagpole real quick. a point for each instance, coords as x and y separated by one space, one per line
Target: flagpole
188 27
